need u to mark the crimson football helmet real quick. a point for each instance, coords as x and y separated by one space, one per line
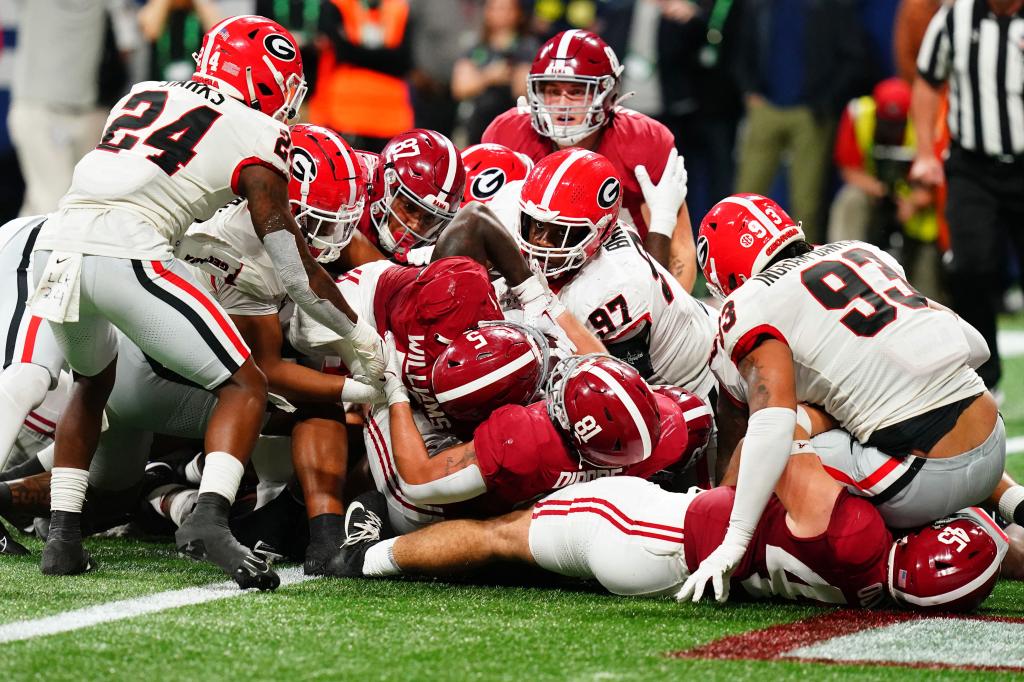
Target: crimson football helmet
573 57
951 565
489 167
326 189
498 363
255 60
605 408
699 418
571 199
738 238
422 180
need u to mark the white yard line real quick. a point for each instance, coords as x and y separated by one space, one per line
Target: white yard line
1014 445
130 608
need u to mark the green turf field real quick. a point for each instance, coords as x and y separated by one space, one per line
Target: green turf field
324 629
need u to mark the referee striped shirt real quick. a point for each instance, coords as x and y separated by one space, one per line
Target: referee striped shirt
981 54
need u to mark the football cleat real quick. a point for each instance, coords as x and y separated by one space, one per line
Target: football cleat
63 553
366 524
205 536
10 546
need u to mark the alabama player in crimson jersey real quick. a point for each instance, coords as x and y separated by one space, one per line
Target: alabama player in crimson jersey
572 98
838 326
598 419
173 152
564 217
815 542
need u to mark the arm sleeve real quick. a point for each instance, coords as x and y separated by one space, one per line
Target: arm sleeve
935 55
464 484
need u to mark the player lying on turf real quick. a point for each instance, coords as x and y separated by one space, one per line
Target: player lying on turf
598 419
839 326
815 541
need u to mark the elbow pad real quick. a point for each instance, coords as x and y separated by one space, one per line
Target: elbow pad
464 484
763 457
283 252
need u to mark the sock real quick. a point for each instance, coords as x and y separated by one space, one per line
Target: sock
379 561
45 457
194 470
22 389
30 467
67 489
221 475
181 504
325 529
1010 504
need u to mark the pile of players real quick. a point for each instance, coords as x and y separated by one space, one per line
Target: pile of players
426 361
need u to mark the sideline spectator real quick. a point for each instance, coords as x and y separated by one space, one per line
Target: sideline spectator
175 29
440 32
492 74
554 16
985 166
54 118
361 91
875 146
799 63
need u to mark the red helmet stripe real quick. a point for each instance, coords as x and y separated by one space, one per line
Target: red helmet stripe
556 177
350 167
627 402
486 380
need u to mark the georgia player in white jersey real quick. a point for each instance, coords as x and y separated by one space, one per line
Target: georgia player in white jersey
838 326
564 217
173 152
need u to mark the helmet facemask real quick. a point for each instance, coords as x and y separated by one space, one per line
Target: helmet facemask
547 119
570 253
399 200
327 232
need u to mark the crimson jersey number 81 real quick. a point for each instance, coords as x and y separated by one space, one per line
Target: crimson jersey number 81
835 285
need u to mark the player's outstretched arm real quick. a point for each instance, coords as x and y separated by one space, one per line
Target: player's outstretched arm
477 233
768 371
305 280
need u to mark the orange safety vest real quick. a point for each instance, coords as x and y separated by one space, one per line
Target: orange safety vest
358 101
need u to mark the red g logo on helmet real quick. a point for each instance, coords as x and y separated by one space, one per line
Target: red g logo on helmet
951 565
738 238
489 167
498 363
605 408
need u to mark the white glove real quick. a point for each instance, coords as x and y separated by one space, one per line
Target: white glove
362 351
716 567
666 198
209 254
536 298
394 388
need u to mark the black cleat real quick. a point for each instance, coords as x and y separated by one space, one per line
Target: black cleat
63 553
205 536
366 524
10 546
317 558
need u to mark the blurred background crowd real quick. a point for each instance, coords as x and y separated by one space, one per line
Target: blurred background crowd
803 100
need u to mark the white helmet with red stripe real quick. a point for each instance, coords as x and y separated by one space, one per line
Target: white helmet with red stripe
255 60
739 237
422 181
573 58
326 189
951 565
489 167
498 363
568 205
605 408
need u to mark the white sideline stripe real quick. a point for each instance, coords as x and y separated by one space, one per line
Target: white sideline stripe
1014 445
976 642
130 608
1011 342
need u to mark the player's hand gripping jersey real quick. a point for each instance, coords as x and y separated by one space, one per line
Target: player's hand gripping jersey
171 153
866 346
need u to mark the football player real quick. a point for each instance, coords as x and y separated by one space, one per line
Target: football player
599 418
838 326
815 541
173 152
572 101
489 167
564 217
